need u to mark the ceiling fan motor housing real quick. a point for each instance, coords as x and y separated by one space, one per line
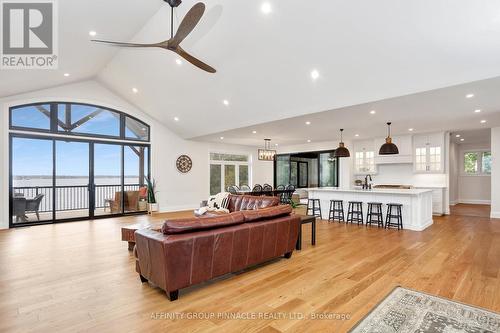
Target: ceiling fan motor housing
173 3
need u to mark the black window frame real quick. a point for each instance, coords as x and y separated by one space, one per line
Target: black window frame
54 128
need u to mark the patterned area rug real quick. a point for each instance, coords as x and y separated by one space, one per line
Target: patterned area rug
406 311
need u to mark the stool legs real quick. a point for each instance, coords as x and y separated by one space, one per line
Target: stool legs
398 215
336 211
355 213
375 216
314 208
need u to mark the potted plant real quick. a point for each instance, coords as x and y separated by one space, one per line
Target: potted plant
152 204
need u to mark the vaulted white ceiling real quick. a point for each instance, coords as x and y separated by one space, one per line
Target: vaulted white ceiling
364 51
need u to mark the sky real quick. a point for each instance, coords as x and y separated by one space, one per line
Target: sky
34 157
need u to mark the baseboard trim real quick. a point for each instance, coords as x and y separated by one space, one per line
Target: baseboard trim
169 209
495 215
475 202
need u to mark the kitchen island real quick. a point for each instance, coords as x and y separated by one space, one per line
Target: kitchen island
417 203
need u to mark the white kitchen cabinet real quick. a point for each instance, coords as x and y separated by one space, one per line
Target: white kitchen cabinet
428 153
364 157
438 193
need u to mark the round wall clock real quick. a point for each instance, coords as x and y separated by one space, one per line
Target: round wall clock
184 164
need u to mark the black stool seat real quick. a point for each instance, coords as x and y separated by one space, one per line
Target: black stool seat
375 214
336 211
314 208
397 214
355 212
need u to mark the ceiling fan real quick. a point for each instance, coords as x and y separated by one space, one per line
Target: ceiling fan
173 44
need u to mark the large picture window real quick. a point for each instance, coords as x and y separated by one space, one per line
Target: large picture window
228 170
477 163
78 119
55 176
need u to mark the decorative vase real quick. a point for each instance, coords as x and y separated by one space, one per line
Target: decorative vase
153 207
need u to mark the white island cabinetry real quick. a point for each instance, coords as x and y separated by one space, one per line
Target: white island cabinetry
417 203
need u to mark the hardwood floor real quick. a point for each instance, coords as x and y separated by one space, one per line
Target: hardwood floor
471 210
80 277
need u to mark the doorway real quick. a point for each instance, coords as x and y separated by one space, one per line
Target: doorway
53 179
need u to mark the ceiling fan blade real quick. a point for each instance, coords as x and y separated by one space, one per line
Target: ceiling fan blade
123 44
188 24
198 63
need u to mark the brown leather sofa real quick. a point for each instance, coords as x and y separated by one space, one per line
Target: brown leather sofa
193 250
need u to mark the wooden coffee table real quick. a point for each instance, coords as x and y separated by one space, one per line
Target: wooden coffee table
305 220
128 232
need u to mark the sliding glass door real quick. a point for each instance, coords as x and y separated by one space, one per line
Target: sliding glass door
31 181
72 179
55 179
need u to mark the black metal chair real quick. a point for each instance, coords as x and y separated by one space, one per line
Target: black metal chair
257 190
267 189
286 196
280 188
232 189
245 188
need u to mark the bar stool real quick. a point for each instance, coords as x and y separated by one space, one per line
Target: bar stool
397 215
336 211
314 208
355 212
375 214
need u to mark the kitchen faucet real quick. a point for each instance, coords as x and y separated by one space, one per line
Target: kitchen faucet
366 185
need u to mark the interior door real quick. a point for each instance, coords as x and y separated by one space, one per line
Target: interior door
107 188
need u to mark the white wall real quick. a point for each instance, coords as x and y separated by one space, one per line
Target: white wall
454 172
472 189
495 172
176 191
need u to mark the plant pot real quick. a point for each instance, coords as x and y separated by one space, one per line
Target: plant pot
153 207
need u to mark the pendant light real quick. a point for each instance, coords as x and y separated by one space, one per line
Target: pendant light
388 148
342 151
267 154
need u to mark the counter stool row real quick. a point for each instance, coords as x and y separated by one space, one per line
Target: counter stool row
374 215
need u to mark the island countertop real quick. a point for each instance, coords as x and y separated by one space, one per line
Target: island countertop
416 203
414 191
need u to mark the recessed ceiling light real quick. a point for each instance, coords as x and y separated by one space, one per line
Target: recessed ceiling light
314 74
462 140
92 33
477 111
178 61
308 123
225 102
176 118
483 121
276 144
373 112
222 138
356 135
458 135
135 90
254 132
309 141
66 74
410 129
469 95
266 8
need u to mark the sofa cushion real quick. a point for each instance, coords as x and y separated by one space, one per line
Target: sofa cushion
249 202
179 226
266 213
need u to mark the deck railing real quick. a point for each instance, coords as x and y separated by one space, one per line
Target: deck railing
74 197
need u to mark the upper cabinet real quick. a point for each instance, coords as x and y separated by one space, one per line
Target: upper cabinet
364 157
429 153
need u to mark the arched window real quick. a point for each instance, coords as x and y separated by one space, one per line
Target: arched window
78 119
